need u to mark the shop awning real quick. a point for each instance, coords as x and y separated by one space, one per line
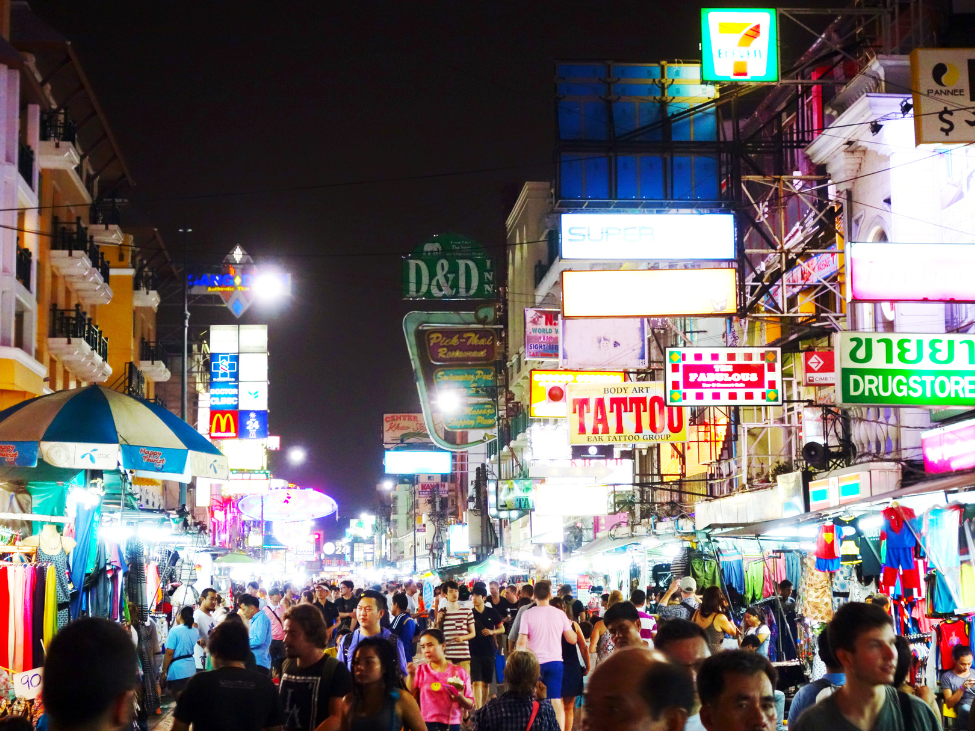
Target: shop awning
951 482
607 543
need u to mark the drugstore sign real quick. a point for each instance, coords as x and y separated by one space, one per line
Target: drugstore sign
623 413
896 369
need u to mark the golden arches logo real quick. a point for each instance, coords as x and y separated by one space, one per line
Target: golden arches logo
223 423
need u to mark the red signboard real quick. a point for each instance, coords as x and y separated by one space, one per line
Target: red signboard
724 377
818 368
224 425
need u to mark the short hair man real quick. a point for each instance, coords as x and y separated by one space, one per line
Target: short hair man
542 629
687 602
686 644
736 689
638 598
622 621
824 687
90 677
230 696
402 624
785 592
260 632
862 639
369 612
346 603
957 684
638 690
526 591
312 683
204 620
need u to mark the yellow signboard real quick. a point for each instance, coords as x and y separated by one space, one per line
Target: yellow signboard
547 395
624 413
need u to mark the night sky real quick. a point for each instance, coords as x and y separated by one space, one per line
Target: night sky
220 108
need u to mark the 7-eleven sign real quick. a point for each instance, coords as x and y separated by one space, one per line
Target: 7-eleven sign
818 368
739 44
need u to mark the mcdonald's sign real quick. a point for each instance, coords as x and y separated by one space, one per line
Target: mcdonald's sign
224 424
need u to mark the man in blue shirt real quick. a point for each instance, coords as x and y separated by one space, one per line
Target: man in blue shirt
368 612
403 625
809 694
260 632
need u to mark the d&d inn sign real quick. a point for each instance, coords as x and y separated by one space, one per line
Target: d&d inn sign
448 267
897 369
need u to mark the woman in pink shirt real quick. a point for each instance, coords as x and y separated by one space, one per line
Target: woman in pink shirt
443 689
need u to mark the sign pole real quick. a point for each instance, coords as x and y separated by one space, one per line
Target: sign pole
186 338
413 490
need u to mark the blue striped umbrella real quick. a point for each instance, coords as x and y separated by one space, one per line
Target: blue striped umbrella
99 429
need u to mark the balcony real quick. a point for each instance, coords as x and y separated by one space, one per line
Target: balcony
145 288
152 362
105 222
76 256
76 342
23 271
25 164
57 149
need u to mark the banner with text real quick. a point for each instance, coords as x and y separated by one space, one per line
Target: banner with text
624 413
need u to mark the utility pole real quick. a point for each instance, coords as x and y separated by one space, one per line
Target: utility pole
413 494
184 233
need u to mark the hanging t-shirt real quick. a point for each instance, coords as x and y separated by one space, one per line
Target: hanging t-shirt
826 545
849 533
948 635
899 535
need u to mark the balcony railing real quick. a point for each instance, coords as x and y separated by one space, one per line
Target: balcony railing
135 381
75 238
77 324
57 127
151 351
23 273
25 163
105 213
145 280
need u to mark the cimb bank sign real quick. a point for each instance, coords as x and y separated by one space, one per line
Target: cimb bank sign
648 236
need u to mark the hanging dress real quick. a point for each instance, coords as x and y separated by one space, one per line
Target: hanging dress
59 561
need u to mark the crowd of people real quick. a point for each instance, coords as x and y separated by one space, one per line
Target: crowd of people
491 658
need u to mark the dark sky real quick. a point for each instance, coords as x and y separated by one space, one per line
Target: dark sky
214 98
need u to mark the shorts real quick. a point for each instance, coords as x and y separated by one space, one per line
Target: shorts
266 672
482 668
827 565
899 558
551 678
177 686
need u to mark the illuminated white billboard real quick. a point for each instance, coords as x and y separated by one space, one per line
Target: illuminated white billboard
417 462
886 272
646 236
569 497
649 293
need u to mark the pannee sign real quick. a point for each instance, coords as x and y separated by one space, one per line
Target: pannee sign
623 413
897 369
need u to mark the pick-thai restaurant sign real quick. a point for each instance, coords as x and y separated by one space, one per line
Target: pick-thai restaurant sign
404 429
464 346
541 334
897 369
625 413
724 376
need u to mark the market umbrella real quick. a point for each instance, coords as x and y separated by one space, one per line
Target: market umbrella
100 429
236 558
288 505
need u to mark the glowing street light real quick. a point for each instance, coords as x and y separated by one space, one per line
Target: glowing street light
297 455
450 401
388 484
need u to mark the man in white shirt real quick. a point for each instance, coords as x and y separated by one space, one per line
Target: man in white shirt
411 592
204 621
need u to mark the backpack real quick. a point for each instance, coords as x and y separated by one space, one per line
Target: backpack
327 671
347 643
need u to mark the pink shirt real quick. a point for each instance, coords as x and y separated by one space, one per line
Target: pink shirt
543 626
277 623
436 696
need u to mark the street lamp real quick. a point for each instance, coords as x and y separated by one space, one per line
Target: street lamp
297 455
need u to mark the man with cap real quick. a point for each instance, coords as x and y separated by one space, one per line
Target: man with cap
687 603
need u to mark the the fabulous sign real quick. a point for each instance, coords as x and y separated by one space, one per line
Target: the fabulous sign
897 369
448 267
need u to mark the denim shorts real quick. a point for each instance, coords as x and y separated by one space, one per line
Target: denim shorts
552 678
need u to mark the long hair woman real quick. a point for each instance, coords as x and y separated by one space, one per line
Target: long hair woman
444 689
600 644
518 707
575 666
378 701
711 616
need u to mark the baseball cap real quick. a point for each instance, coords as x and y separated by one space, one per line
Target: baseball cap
688 583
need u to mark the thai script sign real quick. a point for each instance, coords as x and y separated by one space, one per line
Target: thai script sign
724 376
896 369
626 413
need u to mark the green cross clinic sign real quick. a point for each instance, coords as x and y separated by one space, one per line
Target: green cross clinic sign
448 267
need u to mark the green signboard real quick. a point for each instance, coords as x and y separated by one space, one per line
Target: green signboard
473 381
897 369
472 415
739 44
448 267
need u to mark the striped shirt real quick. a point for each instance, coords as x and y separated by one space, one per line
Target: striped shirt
647 626
456 623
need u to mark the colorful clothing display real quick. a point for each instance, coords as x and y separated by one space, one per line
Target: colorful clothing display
59 561
827 549
899 560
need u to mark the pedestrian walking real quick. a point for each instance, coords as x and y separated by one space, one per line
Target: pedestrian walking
457 624
686 644
622 622
520 707
90 677
205 620
575 666
600 643
346 604
275 613
403 625
312 683
260 632
711 617
230 697
755 627
736 692
484 646
369 613
542 629
648 625
443 688
379 700
178 662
